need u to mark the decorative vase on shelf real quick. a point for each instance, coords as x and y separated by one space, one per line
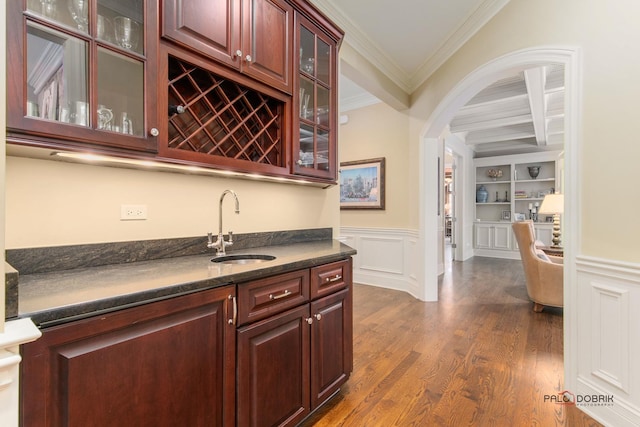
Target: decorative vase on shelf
482 194
534 171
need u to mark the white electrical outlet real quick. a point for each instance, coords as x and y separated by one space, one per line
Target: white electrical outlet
133 212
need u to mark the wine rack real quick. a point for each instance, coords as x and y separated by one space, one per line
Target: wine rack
222 118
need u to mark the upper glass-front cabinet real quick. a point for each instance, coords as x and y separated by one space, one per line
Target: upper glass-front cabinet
81 71
315 142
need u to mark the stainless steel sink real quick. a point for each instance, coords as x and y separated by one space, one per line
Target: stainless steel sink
243 259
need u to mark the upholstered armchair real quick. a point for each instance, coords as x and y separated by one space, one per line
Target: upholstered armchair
543 273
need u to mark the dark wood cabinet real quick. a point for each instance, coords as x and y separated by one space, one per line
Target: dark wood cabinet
249 35
331 345
316 103
257 80
291 360
261 353
273 370
82 77
166 363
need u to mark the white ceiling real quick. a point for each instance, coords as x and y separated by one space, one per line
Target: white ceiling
408 40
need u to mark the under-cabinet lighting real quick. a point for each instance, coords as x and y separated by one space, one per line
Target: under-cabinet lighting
150 164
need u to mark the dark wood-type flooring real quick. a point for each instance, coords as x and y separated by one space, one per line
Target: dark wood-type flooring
478 357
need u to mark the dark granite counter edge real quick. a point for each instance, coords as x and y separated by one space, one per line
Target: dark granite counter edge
59 258
65 314
11 291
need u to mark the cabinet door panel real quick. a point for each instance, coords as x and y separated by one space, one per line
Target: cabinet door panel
331 345
136 367
483 236
210 27
502 237
268 28
273 370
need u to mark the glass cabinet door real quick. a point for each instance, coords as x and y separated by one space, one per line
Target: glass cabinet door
316 100
84 71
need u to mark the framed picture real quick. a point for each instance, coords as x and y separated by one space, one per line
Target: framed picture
362 184
519 217
506 215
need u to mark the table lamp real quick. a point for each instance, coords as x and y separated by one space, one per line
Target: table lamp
554 204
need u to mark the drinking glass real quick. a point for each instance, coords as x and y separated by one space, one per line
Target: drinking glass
78 10
126 30
104 30
48 8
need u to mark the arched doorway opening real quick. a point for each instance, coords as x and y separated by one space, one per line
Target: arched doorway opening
494 70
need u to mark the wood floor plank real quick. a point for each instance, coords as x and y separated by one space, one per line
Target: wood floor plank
479 356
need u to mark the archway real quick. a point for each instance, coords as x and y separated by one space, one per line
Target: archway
442 115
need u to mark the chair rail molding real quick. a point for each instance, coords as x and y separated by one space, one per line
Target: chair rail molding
387 257
16 333
608 296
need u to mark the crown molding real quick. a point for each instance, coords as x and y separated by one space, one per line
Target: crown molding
358 40
409 83
458 37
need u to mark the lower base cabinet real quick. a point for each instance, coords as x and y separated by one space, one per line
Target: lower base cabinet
292 362
166 363
183 361
496 239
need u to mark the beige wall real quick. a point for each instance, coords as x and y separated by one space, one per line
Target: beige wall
608 34
379 131
52 203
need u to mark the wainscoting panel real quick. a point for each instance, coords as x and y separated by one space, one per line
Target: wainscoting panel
609 349
386 258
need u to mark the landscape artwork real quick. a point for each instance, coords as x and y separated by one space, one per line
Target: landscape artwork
362 184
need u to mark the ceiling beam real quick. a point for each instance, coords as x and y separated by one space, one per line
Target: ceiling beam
535 81
361 71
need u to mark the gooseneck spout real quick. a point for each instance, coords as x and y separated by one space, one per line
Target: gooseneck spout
220 244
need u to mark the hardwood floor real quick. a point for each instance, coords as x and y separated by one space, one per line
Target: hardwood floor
478 357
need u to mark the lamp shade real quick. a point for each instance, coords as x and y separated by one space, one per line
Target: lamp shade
552 204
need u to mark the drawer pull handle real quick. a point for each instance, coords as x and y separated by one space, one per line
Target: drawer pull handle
286 293
334 278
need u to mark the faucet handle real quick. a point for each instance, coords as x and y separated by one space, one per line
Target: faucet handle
209 239
230 241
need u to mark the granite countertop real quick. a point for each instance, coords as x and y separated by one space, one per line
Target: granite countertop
56 297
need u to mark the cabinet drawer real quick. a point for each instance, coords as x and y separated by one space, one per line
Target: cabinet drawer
329 278
262 298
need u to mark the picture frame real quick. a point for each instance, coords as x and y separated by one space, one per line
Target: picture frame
519 217
362 184
506 215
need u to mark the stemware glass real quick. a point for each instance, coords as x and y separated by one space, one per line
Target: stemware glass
48 8
79 12
126 30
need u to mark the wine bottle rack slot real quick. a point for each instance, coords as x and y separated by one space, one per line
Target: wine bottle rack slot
223 118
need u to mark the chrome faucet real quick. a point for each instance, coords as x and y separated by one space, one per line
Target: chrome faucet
221 244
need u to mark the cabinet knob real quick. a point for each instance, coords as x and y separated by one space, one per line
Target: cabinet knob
238 53
154 132
309 320
248 58
318 316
